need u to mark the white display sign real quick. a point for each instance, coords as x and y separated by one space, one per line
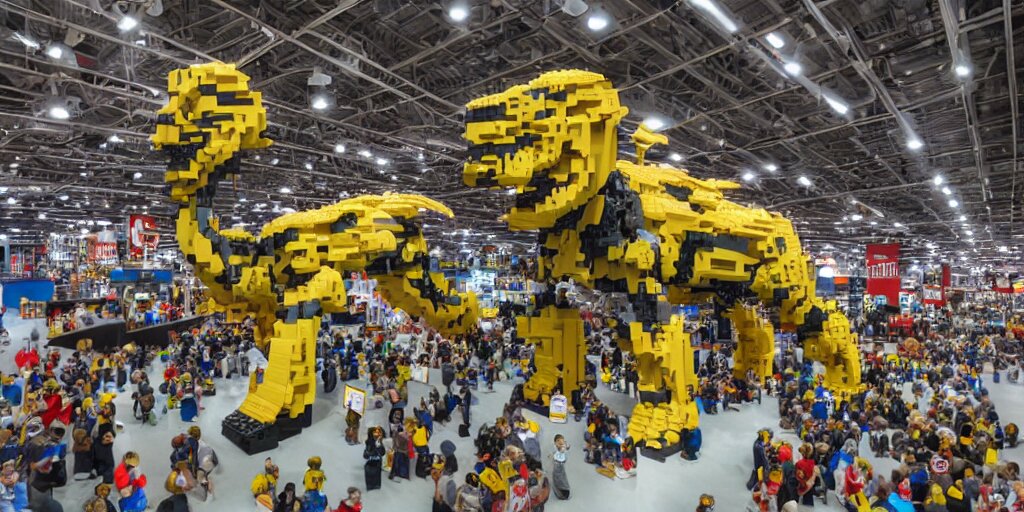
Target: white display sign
355 399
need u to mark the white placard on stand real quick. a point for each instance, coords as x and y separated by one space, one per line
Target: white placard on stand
558 410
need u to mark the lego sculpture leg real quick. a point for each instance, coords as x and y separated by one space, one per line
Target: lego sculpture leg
836 348
281 405
755 347
667 386
558 336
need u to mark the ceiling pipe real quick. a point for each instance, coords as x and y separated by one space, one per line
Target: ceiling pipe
1011 75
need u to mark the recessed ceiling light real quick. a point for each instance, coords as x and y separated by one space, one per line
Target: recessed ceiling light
365 153
946 190
938 180
319 102
856 216
42 216
458 13
58 112
675 157
308 166
63 197
114 139
137 175
793 68
953 203
654 123
285 190
127 23
394 178
775 40
804 180
748 176
597 22
771 167
837 105
382 161
339 148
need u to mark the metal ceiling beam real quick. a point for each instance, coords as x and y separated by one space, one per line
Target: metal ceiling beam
1011 76
343 5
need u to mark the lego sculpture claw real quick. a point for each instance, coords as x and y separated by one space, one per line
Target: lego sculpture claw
651 233
292 274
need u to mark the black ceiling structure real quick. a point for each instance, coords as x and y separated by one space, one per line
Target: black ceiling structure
864 121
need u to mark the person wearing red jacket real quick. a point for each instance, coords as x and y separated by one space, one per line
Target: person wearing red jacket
354 502
55 407
130 483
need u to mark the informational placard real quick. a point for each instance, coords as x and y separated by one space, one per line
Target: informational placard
883 266
355 399
558 410
421 374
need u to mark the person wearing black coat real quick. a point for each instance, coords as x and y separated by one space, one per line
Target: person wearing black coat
374 455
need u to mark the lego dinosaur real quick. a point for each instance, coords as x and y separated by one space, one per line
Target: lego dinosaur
291 274
652 232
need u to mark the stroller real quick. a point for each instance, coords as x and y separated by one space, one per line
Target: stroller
143 407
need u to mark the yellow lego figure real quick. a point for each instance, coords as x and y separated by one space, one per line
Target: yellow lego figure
653 233
290 275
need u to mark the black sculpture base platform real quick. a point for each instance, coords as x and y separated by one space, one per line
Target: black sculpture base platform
661 454
254 437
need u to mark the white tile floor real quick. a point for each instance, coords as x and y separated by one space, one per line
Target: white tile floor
673 486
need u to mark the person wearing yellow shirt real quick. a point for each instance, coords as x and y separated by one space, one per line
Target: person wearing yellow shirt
314 500
264 485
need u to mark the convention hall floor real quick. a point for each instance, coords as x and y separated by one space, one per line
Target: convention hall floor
672 486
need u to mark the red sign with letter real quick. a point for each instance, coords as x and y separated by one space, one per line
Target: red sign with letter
142 235
883 266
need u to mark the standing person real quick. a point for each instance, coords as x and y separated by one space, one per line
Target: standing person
540 488
314 500
374 454
264 485
401 445
354 502
287 501
560 481
46 469
469 498
188 395
130 484
467 398
444 485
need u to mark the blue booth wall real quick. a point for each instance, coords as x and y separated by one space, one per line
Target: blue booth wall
33 289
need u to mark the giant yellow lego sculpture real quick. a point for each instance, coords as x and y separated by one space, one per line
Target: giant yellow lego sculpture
292 273
655 233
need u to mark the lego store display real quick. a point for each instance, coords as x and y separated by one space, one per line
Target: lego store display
290 275
655 233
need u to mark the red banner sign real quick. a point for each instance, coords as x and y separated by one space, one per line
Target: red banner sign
142 236
883 265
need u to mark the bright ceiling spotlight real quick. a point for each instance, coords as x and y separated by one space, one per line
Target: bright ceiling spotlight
938 180
914 144
804 180
63 197
969 232
793 68
654 123
58 112
458 13
897 225
748 176
962 70
953 203
946 191
137 176
114 139
963 218
308 166
856 216
837 105
597 22
127 23
382 161
339 148
11 200
716 12
54 52
365 153
285 190
775 40
873 223
419 157
319 102
675 157
42 216
275 161
771 167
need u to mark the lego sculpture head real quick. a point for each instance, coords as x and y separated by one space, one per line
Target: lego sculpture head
211 115
553 141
